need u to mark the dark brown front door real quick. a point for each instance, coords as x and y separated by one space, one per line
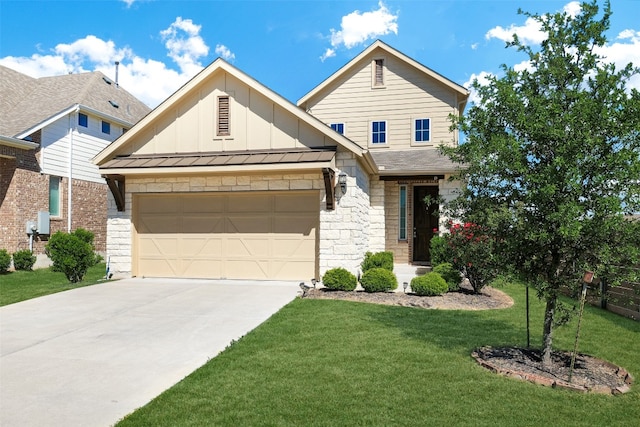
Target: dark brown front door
425 220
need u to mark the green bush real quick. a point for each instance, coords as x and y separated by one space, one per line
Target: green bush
23 260
440 251
5 261
339 279
84 235
377 260
71 254
431 284
379 280
449 274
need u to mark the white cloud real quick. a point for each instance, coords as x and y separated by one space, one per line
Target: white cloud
531 32
483 79
224 52
624 51
185 46
358 27
474 46
148 79
128 2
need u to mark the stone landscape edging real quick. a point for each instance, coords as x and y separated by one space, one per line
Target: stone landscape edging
549 382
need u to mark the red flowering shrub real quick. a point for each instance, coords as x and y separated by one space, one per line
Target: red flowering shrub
473 252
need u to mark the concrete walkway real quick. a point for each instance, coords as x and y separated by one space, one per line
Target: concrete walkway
90 356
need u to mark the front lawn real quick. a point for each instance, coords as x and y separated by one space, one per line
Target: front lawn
324 362
18 286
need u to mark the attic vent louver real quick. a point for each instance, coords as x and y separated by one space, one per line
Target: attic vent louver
114 104
106 80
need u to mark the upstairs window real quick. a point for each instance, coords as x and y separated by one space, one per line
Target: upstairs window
106 127
338 127
83 120
224 128
422 130
379 132
378 72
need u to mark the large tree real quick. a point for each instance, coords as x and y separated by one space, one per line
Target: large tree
552 157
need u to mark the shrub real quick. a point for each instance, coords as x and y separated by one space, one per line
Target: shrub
377 260
474 253
5 261
449 274
339 279
378 280
24 260
84 235
431 284
440 251
71 254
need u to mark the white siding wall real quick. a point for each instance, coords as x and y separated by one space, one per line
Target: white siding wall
408 94
87 142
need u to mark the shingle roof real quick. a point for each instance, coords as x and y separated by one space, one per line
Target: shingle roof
424 161
26 102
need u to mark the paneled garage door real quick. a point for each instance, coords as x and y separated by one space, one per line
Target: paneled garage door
256 235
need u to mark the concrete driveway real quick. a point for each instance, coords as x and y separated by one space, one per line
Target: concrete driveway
90 356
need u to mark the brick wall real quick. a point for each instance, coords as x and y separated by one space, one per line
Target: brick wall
24 192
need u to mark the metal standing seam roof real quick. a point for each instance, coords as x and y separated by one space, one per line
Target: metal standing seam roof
218 158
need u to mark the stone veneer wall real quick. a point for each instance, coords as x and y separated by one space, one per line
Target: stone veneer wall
345 233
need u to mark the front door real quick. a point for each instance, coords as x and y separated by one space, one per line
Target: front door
425 221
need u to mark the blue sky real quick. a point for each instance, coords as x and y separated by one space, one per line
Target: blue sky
290 46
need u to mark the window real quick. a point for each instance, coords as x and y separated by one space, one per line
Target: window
422 130
379 132
106 127
83 120
378 72
54 196
338 127
223 116
402 214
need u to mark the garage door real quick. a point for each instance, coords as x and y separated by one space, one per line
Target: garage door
257 235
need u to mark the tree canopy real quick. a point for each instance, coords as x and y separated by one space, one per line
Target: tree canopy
552 159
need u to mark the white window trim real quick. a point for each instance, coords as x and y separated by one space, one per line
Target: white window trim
406 217
386 131
384 72
415 143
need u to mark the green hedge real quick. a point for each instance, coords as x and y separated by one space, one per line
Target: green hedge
377 260
23 260
431 284
449 274
339 279
5 261
379 280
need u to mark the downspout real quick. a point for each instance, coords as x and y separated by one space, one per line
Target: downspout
72 121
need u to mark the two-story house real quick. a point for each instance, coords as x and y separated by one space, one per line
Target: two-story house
227 179
50 129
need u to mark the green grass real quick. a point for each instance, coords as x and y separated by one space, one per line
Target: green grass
19 286
337 363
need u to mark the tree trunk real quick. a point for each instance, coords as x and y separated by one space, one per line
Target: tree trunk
547 333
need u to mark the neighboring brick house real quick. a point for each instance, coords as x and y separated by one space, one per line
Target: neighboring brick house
50 129
227 179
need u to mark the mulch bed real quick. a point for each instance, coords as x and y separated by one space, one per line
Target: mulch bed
589 373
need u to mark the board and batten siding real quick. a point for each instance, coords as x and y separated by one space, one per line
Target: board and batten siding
87 142
407 94
256 123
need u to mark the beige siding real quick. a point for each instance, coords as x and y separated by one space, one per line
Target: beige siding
256 123
407 94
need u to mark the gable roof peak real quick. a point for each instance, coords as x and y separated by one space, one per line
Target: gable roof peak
379 44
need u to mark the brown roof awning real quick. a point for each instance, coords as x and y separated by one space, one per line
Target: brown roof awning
219 158
413 162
